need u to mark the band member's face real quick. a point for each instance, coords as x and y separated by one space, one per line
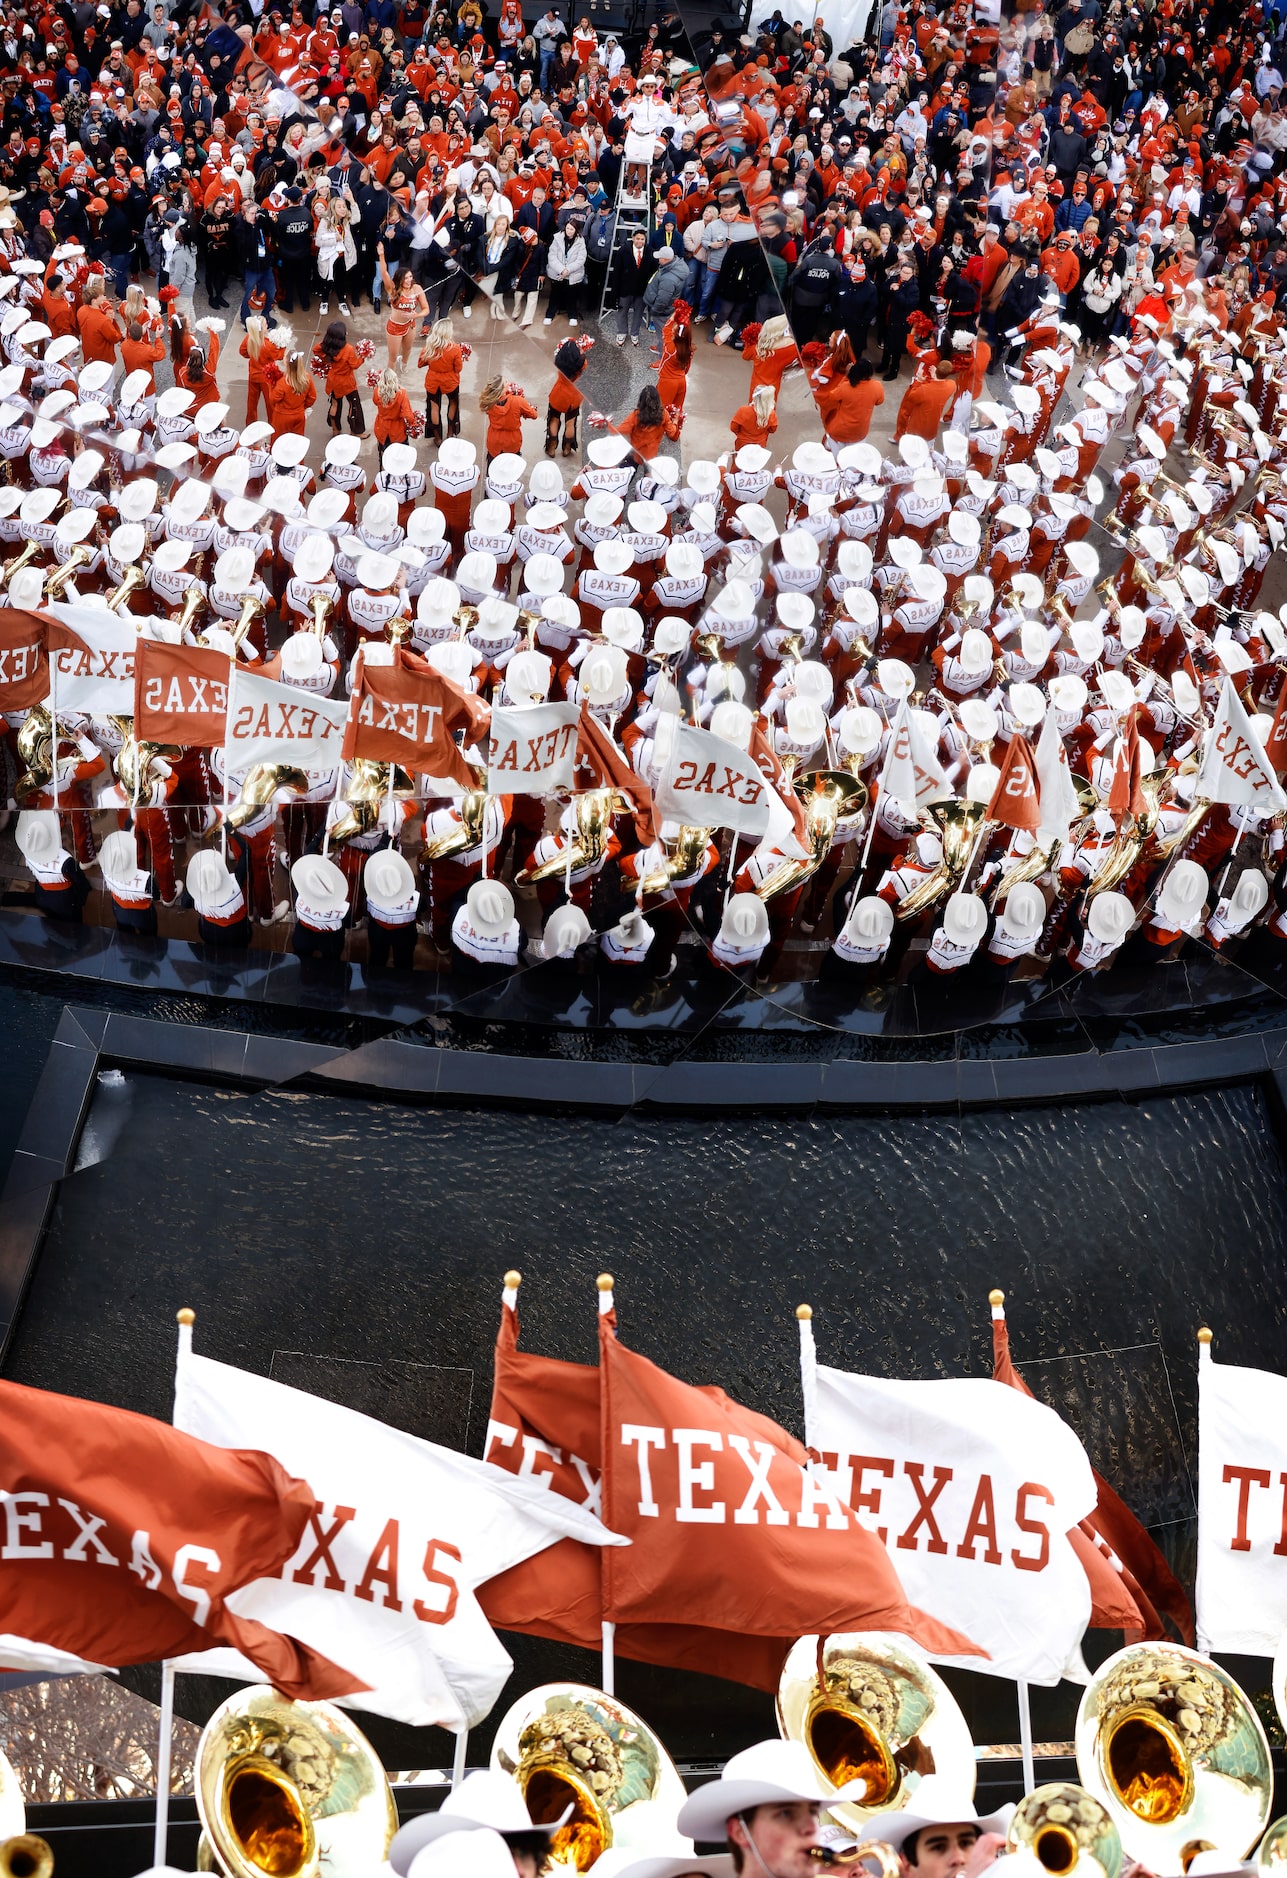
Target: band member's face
941 1851
781 1835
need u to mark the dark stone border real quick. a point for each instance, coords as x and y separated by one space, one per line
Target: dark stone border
390 1067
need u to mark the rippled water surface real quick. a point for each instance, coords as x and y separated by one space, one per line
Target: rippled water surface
305 1227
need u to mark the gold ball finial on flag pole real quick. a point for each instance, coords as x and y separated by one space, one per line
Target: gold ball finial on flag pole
513 1280
604 1281
1204 1335
186 1317
996 1299
804 1312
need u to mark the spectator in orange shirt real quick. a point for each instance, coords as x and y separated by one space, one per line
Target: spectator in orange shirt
924 403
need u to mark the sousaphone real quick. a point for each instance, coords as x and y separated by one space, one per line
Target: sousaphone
22 1853
1066 1831
289 1789
1168 1742
570 1747
869 1707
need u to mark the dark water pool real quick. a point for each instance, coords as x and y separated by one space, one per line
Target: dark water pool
313 1234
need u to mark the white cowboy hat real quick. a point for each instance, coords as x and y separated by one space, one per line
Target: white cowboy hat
77 524
491 516
457 453
623 627
1068 692
545 486
601 511
608 452
755 519
806 722
543 573
491 910
1024 912
861 730
1117 691
529 673
388 876
869 918
230 476
301 658
505 469
670 635
137 499
859 459
84 469
928 584
702 477
914 451
476 571
257 433
964 529
376 571
896 679
732 721
1087 640
238 514
38 833
565 930
189 502
173 456
800 548
171 556
1082 558
545 517
483 1798
474 1851
646 518
126 543
751 457
684 560
39 504
745 924
1027 706
771 1771
603 675
939 1802
175 402
1182 894
454 658
1111 917
795 610
207 875
965 917
1022 475
975 652
425 527
209 417
610 557
343 450
314 558
326 508
399 459
321 883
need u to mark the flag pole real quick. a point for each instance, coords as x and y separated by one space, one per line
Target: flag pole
458 1758
607 1631
185 1319
1025 1737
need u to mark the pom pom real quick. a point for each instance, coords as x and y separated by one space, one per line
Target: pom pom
168 295
751 333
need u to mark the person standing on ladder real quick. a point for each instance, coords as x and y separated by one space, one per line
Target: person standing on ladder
648 121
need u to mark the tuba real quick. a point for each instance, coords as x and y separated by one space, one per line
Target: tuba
869 1707
289 1789
1066 1830
1175 1751
40 751
569 1747
1127 847
134 578
263 780
960 824
1034 864
22 1854
689 847
1272 1850
21 560
368 790
473 821
133 761
594 811
827 794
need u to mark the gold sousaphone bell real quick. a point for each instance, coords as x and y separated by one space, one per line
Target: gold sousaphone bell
22 1853
289 1789
568 1746
869 1708
1176 1752
1067 1831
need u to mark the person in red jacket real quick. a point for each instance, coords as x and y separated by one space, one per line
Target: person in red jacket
339 360
392 411
197 371
755 422
924 403
505 407
261 354
290 394
847 404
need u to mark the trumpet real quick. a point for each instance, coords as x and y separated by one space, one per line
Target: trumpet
135 577
63 576
887 1861
321 605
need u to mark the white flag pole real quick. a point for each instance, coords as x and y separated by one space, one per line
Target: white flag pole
227 771
808 1370
1025 1737
186 1319
458 1758
53 712
608 1631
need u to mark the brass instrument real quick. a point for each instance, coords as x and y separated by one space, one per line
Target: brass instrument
135 577
690 846
567 1745
63 576
528 623
13 1812
960 824
827 794
594 811
36 747
289 1789
871 1708
1171 844
1128 845
1059 607
26 1855
133 761
464 619
193 601
263 780
1066 1830
473 812
321 605
888 1862
21 560
1175 1751
1034 864
252 608
368 790
1272 1850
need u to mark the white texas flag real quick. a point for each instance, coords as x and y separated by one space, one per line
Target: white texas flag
270 722
973 1488
1234 765
911 773
1242 1508
91 658
532 749
708 782
403 1533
